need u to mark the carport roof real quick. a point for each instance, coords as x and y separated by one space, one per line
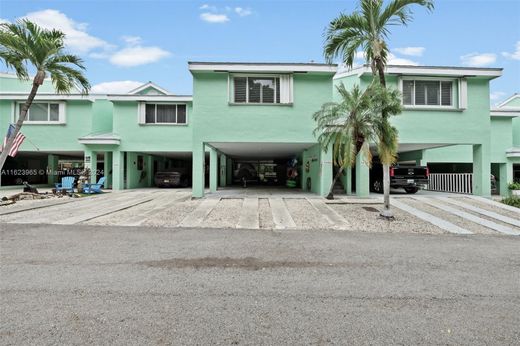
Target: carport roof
258 150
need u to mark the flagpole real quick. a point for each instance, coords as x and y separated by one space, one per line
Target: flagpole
34 145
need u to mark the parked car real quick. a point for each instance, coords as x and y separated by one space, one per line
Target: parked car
409 178
171 179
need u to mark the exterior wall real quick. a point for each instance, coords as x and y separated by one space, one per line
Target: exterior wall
9 83
216 120
150 137
53 137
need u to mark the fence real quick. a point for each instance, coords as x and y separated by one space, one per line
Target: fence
451 182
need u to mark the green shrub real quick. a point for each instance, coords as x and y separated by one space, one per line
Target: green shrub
514 186
512 201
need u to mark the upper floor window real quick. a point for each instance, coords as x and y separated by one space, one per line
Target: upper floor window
157 113
262 89
428 93
44 112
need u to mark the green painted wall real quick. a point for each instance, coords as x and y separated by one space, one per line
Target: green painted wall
150 137
311 157
217 120
514 102
54 137
12 84
516 131
102 119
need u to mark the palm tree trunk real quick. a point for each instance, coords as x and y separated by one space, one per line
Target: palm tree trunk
336 177
38 80
386 213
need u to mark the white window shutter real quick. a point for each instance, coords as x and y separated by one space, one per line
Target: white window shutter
62 111
286 89
463 93
141 113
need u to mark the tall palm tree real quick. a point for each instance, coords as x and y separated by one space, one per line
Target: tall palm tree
353 123
23 46
367 29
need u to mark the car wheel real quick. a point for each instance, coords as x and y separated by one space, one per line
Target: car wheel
377 186
411 189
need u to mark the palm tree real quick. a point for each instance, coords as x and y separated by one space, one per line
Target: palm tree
353 123
25 45
367 29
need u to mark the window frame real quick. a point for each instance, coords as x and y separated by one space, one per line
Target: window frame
455 93
277 87
61 113
176 104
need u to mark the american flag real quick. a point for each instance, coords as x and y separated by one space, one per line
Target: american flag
18 140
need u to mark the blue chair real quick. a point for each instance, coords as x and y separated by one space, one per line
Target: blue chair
94 188
67 184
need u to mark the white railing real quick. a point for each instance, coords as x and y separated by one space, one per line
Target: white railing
451 182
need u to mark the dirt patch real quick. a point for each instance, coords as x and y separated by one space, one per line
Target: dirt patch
171 217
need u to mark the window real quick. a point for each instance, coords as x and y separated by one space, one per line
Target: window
427 93
262 89
43 112
164 114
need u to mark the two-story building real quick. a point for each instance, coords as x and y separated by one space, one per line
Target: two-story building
259 114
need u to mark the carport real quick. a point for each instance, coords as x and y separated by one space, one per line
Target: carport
263 165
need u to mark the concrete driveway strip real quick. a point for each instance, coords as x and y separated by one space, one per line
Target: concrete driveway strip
101 211
281 217
495 203
331 216
445 225
470 217
195 218
158 286
506 219
249 215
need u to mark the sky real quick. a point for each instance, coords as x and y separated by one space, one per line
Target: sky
127 43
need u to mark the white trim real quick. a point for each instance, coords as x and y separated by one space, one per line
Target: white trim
61 113
285 93
109 141
463 93
149 85
427 71
150 98
511 98
259 67
505 113
413 106
513 152
142 113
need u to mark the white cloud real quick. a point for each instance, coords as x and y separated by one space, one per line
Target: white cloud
243 12
497 96
411 51
393 60
208 7
478 60
77 38
515 55
137 55
115 87
2 21
132 40
214 17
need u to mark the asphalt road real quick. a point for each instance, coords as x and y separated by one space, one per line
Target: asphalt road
110 285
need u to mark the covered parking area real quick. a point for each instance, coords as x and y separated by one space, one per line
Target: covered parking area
262 165
41 167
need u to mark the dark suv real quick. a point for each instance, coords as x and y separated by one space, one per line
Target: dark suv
409 178
171 179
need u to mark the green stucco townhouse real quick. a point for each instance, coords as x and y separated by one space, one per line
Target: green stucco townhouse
261 112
